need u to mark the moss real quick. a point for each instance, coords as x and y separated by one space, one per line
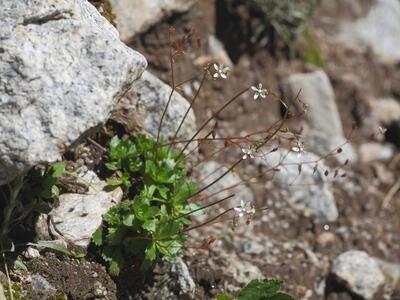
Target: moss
105 9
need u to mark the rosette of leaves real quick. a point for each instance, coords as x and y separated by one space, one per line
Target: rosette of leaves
150 226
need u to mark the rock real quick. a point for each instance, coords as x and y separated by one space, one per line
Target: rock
137 16
30 253
358 272
2 296
308 192
62 69
78 216
325 130
370 152
252 246
383 173
144 104
216 53
231 183
379 31
326 239
174 282
185 282
242 271
41 288
386 111
391 271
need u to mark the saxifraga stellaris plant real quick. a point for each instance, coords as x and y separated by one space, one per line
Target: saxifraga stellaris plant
154 224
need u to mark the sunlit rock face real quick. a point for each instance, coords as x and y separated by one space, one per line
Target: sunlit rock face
62 70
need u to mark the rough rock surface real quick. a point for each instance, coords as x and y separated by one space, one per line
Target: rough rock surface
41 288
143 106
379 30
308 192
2 296
78 216
391 271
136 16
62 69
359 272
370 152
174 282
386 111
325 131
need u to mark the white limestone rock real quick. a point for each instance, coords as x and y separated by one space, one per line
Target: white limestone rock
62 70
358 272
136 16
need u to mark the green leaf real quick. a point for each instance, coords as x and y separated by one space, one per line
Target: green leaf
54 245
114 181
150 225
98 237
128 220
151 252
55 191
224 297
58 169
19 264
281 296
259 289
113 166
167 230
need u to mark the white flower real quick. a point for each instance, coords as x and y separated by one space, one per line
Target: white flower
221 71
298 148
249 152
259 91
245 209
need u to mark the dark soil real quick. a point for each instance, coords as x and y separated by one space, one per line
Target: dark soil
78 279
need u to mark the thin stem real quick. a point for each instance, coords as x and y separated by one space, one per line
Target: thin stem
208 221
171 59
190 106
204 207
266 140
210 119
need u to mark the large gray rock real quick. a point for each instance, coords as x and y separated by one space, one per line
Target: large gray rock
136 16
144 104
379 30
308 191
324 131
62 69
358 272
78 216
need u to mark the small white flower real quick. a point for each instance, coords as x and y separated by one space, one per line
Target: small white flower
298 148
245 209
249 152
259 91
221 71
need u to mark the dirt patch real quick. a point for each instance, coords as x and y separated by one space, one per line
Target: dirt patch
76 278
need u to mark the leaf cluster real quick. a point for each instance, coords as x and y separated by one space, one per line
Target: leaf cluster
260 289
150 226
